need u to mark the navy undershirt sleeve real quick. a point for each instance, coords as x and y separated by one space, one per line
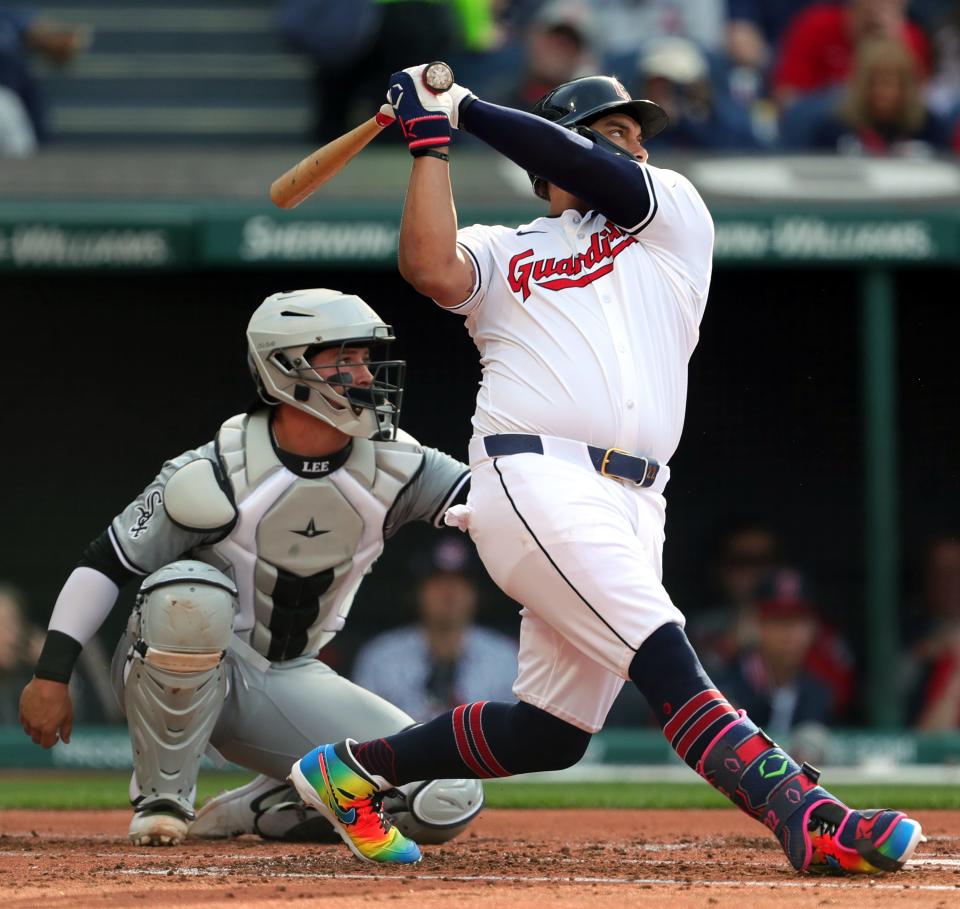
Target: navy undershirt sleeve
614 186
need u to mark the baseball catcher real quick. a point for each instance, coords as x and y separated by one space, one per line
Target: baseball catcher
251 548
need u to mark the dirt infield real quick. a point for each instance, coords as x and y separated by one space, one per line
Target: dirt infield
516 859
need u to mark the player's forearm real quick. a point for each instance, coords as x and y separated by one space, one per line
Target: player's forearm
81 608
613 185
428 229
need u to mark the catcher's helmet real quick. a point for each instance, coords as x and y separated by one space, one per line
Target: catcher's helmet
579 103
288 328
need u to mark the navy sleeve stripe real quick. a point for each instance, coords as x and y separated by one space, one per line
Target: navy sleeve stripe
654 204
476 268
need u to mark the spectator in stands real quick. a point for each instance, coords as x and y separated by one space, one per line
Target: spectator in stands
753 32
881 110
354 44
940 19
935 656
675 73
745 553
557 48
445 659
769 679
622 26
22 113
755 27
749 552
818 47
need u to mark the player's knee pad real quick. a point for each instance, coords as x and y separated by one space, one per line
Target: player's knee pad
549 742
436 811
176 685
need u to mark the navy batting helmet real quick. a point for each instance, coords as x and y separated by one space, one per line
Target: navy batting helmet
579 103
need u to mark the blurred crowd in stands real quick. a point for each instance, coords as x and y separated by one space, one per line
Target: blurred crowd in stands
774 645
849 76
25 34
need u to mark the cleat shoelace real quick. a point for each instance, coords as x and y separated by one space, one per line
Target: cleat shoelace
376 806
822 827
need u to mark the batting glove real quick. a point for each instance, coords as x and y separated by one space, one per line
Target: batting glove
425 117
386 115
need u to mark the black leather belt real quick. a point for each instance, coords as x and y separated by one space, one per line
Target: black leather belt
609 462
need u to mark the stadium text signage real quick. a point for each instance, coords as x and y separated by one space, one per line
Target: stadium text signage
267 239
131 237
57 246
804 238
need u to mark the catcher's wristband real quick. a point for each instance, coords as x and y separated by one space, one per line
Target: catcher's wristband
59 654
429 153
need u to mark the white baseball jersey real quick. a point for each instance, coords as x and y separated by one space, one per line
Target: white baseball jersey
585 330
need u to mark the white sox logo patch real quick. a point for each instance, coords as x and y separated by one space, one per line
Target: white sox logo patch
145 512
573 271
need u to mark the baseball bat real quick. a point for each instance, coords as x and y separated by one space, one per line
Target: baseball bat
308 175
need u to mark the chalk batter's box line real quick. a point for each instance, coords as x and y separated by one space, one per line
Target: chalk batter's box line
869 884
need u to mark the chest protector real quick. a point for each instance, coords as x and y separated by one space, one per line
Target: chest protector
300 547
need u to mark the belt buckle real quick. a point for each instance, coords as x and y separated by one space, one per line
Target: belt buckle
606 461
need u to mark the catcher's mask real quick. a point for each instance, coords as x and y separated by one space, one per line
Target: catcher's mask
289 330
583 101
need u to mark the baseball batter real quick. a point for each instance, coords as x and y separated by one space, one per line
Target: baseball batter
585 320
253 547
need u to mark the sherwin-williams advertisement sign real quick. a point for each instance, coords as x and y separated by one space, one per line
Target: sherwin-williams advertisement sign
129 236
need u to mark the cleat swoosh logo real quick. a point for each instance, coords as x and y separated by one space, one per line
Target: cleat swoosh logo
345 817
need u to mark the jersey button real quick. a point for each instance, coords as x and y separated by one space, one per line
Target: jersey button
630 404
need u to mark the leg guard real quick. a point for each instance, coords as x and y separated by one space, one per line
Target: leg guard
435 812
176 685
431 813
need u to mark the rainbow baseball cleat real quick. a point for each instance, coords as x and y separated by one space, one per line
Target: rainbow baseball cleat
330 780
841 840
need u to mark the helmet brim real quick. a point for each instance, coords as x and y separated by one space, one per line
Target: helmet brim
651 116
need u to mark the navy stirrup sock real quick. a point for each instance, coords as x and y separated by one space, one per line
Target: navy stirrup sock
724 746
690 709
475 741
